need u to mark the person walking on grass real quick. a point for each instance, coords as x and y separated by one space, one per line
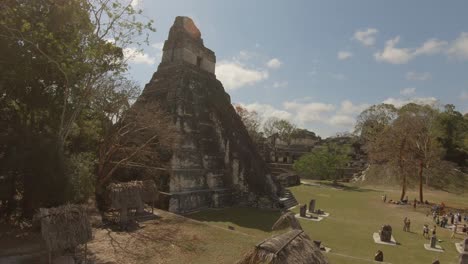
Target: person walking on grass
405 224
426 231
454 231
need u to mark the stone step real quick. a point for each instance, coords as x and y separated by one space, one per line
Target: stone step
288 200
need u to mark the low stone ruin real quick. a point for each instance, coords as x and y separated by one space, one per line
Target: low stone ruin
129 195
386 234
433 241
464 254
312 206
378 256
303 210
64 228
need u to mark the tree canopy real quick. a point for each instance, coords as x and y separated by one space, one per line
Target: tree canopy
62 86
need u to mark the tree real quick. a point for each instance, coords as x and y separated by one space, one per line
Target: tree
323 162
55 55
385 139
451 130
406 141
372 121
424 147
280 128
137 140
251 122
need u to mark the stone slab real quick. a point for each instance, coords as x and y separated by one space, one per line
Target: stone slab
320 215
327 249
318 219
438 248
377 240
459 247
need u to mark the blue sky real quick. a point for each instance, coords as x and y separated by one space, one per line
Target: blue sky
320 63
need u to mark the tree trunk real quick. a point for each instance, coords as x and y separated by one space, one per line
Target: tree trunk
402 172
421 167
403 187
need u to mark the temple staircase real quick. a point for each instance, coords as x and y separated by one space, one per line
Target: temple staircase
288 200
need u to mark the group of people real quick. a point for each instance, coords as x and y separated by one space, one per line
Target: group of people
405 201
426 231
454 219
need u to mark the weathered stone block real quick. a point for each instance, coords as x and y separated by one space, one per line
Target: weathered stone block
386 233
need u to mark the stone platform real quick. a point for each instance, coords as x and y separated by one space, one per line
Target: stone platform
459 247
436 249
377 240
318 219
325 214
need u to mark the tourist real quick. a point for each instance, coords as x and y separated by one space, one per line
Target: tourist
452 218
434 230
443 222
405 221
454 231
384 198
426 231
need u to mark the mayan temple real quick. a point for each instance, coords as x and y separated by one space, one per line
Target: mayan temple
216 163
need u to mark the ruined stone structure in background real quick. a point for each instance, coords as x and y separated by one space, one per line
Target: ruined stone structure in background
216 163
282 156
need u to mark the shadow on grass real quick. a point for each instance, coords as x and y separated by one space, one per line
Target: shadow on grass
340 186
243 217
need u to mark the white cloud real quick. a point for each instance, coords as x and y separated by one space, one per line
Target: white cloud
280 84
342 121
135 3
235 75
366 37
459 48
322 118
136 56
408 91
274 63
308 112
464 96
245 55
399 102
158 45
392 54
430 47
338 76
266 111
344 55
415 76
348 108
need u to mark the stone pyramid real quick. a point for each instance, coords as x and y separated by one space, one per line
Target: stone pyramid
216 164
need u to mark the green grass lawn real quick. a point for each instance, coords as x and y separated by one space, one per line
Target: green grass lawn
355 214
